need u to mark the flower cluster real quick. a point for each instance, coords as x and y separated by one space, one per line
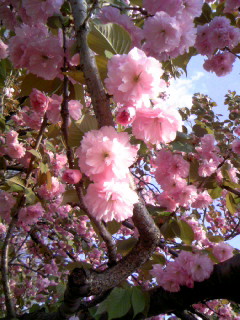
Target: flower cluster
104 156
171 172
207 153
183 271
157 125
34 48
133 77
13 148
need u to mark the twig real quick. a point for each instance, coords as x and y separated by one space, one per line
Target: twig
64 106
141 10
237 193
28 268
90 11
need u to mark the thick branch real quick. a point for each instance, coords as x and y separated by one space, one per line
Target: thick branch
100 101
222 284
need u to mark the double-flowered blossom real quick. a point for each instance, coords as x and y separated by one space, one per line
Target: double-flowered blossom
30 215
34 48
157 125
111 200
39 11
186 269
134 77
208 154
189 8
55 189
106 154
218 34
13 148
171 173
221 63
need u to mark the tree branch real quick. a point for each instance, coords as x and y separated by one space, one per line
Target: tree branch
100 100
222 284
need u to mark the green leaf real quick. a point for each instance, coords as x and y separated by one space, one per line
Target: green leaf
78 264
138 300
102 63
60 289
54 22
182 146
30 196
31 81
215 193
230 203
87 123
215 239
70 196
109 37
16 181
76 75
124 246
113 226
186 234
199 131
158 258
167 231
136 3
75 135
43 167
79 93
183 60
36 153
119 303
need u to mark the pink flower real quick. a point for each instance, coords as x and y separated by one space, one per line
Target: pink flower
34 48
220 63
72 176
201 267
166 201
111 200
38 101
133 77
49 192
12 137
162 33
3 50
39 11
202 200
231 6
222 251
105 154
171 6
236 146
125 115
7 202
237 130
30 215
75 107
54 108
158 125
15 150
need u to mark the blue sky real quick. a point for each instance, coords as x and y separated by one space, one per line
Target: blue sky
198 80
